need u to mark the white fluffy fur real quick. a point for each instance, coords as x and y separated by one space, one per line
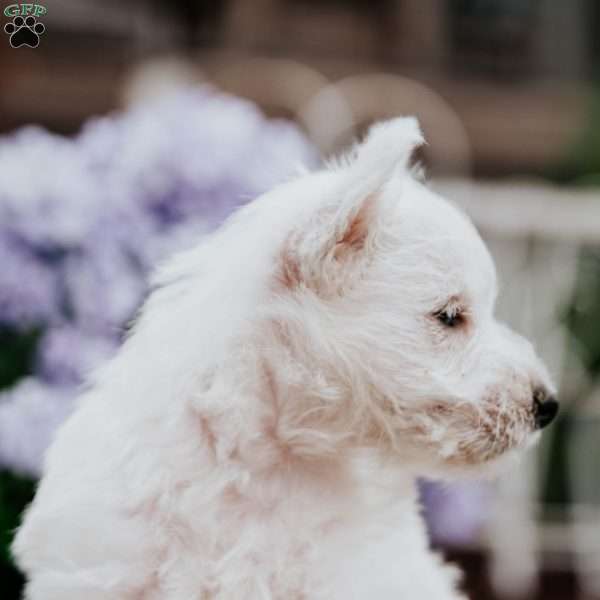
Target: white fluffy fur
259 433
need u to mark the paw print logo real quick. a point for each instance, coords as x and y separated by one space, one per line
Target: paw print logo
24 32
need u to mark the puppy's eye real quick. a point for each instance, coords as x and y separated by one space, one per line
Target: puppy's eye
450 317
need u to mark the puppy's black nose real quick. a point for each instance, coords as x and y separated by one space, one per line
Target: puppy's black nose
545 408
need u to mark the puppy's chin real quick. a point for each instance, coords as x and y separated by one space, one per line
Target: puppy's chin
451 468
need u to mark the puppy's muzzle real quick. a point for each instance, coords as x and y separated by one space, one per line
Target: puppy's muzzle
545 407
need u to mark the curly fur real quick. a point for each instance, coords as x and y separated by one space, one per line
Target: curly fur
259 433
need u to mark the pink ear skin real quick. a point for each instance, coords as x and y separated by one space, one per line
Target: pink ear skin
326 268
355 236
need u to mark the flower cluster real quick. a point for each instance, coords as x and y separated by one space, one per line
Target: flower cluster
83 220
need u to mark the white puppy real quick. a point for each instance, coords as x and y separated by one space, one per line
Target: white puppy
259 434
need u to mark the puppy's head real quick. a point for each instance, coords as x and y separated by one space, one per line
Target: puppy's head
392 293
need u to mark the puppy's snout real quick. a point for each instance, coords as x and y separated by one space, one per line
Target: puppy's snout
545 407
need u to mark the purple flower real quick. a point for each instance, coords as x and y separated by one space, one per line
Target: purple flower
47 197
67 354
28 288
104 286
29 415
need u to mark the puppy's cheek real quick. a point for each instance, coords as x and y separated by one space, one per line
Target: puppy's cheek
443 432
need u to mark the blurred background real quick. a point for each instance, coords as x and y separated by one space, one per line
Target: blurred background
129 133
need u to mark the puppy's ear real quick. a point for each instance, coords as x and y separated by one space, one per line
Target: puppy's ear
386 148
322 253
